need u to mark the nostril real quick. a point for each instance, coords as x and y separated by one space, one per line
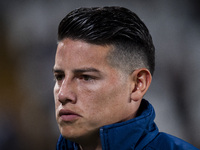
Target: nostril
65 101
66 97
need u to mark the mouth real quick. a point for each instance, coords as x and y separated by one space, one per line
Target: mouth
68 115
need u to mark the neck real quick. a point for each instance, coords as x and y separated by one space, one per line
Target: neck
92 142
91 146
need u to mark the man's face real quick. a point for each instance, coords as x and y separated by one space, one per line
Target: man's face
89 93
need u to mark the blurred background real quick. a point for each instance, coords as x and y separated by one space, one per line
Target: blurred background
28 32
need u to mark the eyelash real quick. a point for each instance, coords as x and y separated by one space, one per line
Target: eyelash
59 77
86 77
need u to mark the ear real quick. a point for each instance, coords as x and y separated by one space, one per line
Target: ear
141 80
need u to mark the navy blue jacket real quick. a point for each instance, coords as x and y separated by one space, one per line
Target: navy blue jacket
140 133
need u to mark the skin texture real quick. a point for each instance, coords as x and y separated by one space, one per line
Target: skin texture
90 93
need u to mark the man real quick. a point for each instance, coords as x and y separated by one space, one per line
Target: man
103 67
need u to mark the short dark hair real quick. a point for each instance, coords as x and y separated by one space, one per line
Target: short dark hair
116 26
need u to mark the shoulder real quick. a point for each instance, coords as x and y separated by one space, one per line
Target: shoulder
166 141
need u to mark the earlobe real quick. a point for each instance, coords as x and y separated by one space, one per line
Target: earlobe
141 80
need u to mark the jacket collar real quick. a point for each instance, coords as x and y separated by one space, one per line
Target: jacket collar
133 134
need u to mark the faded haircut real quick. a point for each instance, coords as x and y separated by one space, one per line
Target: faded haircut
114 26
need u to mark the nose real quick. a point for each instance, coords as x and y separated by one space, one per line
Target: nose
66 93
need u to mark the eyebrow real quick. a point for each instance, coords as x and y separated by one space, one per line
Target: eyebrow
85 70
57 70
82 70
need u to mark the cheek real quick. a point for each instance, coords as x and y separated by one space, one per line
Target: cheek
98 99
55 92
104 92
112 97
92 99
102 107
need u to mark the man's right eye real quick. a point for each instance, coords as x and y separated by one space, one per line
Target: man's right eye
58 77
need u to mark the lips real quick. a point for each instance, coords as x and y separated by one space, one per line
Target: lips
68 115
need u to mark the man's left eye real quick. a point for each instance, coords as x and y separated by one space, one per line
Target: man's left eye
86 77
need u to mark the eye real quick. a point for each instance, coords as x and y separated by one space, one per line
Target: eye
58 77
86 77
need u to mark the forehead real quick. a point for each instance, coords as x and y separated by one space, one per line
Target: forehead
80 52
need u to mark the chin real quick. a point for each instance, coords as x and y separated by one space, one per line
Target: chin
70 133
77 135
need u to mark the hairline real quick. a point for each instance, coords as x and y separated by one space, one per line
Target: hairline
110 57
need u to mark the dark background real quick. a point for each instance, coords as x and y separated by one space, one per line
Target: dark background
28 32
